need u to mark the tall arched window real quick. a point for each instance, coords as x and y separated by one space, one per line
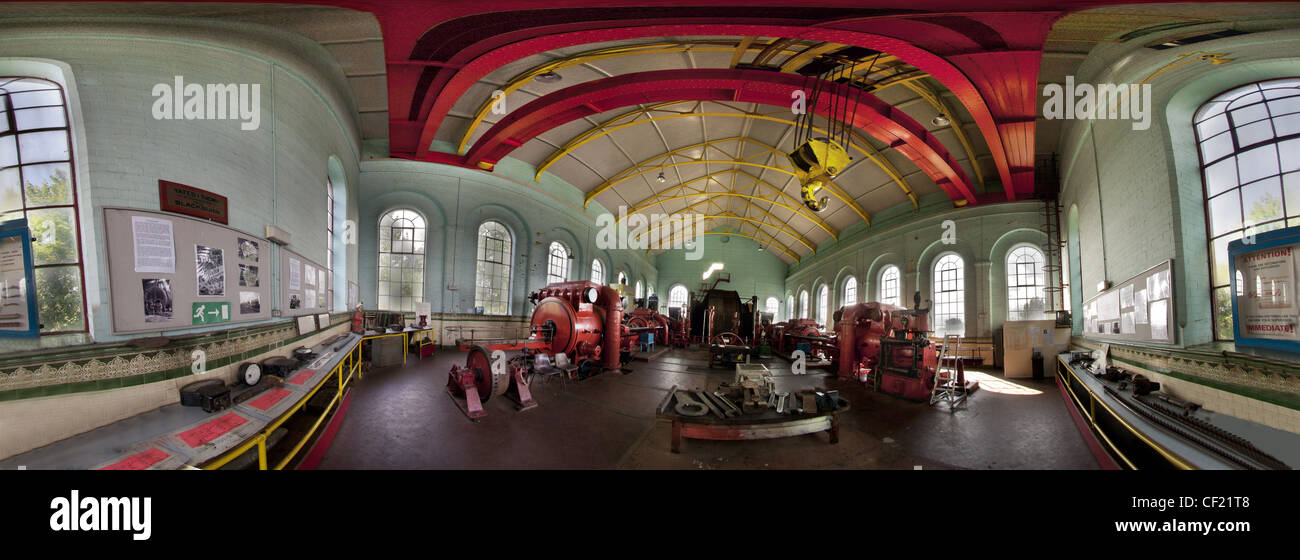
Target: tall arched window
401 260
1249 141
677 296
37 183
789 307
773 306
329 224
640 290
1025 283
557 266
492 277
823 305
949 296
889 286
803 304
597 272
622 278
850 291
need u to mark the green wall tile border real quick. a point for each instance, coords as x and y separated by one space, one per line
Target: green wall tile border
182 345
1281 398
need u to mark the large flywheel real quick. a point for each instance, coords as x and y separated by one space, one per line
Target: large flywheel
488 382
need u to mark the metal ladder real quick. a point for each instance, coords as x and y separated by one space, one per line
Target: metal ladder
949 385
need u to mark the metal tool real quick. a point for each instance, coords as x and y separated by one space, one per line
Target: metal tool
727 403
704 398
782 401
687 406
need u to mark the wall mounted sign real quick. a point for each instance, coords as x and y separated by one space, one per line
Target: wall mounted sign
18 317
1265 313
209 312
191 201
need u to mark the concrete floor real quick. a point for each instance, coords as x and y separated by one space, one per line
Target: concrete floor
402 418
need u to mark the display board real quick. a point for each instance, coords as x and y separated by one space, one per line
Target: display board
169 272
1264 309
304 286
1140 309
18 315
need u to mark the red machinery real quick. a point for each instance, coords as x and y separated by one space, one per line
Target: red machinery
642 320
888 345
582 320
788 335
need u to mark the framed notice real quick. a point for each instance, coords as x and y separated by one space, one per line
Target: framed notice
1139 309
192 201
303 284
18 317
1265 313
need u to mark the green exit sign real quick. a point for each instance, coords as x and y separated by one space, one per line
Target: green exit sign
210 312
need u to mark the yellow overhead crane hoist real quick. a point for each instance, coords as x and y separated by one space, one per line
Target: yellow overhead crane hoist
816 162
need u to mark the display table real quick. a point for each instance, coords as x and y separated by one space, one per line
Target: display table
765 425
407 335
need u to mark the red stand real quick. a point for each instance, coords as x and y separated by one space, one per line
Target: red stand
462 381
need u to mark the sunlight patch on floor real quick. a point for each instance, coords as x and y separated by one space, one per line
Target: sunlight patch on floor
1000 385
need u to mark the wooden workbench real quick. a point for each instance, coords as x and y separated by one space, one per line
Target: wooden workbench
765 425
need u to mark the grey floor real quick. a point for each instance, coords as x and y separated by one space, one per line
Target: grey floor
402 418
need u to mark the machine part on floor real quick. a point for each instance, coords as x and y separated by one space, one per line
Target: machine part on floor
249 373
887 346
485 376
728 349
704 398
210 394
688 406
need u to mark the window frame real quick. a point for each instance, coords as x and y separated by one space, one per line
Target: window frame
505 250
1226 290
422 227
9 114
896 282
960 292
849 287
1014 278
597 271
564 262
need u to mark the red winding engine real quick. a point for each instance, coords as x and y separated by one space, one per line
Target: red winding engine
581 320
887 345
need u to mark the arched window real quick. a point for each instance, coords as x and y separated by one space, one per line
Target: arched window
773 306
677 296
401 260
949 296
889 286
37 183
1025 284
597 272
622 278
850 291
823 305
492 278
557 267
803 304
789 307
1249 140
640 290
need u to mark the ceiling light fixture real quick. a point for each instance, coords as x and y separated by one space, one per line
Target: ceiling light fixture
941 120
661 178
547 77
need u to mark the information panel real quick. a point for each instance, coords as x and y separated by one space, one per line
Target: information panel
1264 309
170 272
18 316
1138 309
304 286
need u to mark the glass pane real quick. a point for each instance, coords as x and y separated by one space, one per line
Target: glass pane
1219 257
36 98
1221 176
1218 146
10 197
1246 97
1212 126
8 151
43 146
55 233
1248 114
1257 163
28 84
1255 133
1284 106
1225 213
1287 125
1291 186
1261 201
4 117
48 184
45 117
1289 152
1222 314
58 294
